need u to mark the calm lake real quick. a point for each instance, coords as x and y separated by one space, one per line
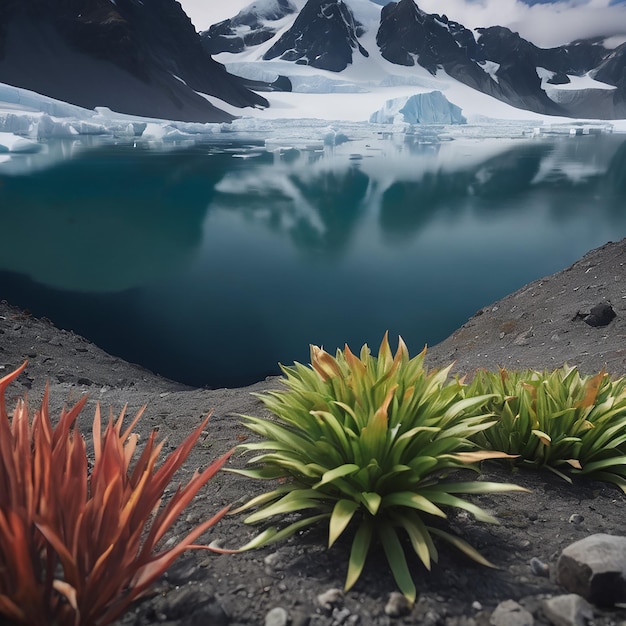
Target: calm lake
211 260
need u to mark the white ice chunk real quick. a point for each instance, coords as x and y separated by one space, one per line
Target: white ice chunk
48 127
13 98
12 143
17 124
423 108
154 130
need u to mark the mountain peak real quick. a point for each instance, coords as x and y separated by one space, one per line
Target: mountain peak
324 35
250 27
142 59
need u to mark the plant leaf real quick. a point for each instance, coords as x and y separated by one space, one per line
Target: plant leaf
342 513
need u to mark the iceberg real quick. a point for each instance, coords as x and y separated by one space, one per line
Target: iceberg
424 108
10 142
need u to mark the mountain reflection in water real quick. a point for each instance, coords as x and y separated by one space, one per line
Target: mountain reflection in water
210 264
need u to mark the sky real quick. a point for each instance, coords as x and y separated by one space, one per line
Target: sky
543 22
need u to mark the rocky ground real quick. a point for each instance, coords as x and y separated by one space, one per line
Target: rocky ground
542 325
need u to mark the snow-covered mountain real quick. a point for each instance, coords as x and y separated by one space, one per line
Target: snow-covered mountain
250 27
354 45
142 58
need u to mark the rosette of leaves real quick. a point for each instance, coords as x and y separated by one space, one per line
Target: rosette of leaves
561 420
365 443
78 544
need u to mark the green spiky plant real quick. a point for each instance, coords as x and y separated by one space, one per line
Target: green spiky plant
366 443
561 420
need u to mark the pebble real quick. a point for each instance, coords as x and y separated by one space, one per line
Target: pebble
277 617
567 610
539 568
272 562
193 601
397 605
510 613
341 615
576 518
462 620
330 599
523 339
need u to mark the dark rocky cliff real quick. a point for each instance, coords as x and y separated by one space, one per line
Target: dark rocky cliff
324 35
133 57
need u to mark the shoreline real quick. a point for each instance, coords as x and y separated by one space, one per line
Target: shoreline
541 325
537 326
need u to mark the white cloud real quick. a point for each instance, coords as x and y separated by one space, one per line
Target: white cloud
204 13
546 25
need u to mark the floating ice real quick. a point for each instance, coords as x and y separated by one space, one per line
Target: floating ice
25 100
12 143
423 108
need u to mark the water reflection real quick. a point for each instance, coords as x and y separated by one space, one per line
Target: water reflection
109 220
616 173
210 263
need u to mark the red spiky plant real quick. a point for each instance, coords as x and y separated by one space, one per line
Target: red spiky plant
79 545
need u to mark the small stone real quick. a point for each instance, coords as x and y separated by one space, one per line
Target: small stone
277 617
182 571
523 339
477 606
576 518
193 602
567 610
340 615
461 620
272 562
539 568
595 568
330 599
510 613
300 618
398 605
600 315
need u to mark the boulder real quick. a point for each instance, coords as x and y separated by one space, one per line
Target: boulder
595 568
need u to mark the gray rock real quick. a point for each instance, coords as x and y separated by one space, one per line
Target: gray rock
461 620
539 568
510 613
567 610
595 568
277 617
341 615
330 599
195 602
523 339
397 605
600 315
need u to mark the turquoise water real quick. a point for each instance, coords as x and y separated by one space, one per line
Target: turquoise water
210 262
